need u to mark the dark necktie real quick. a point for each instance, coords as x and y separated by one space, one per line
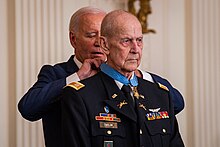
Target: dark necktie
127 92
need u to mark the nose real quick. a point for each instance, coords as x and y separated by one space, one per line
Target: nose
134 47
97 42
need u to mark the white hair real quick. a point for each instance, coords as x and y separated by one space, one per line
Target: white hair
74 21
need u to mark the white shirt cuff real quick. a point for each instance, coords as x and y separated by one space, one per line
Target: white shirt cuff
72 78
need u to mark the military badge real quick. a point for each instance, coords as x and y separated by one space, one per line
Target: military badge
142 106
114 96
108 143
122 104
163 86
106 109
112 125
107 117
75 85
157 115
154 110
135 92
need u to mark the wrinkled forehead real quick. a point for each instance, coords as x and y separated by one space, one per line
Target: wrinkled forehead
128 28
92 17
91 21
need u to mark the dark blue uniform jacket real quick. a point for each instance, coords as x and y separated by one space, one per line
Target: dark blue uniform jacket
99 115
42 101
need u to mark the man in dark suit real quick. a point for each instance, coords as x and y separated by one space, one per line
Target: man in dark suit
96 113
42 100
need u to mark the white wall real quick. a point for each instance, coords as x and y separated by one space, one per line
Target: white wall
4 77
206 72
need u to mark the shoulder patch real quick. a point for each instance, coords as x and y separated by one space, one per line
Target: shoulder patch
163 86
76 85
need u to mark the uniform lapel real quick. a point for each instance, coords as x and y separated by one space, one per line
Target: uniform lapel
142 102
116 100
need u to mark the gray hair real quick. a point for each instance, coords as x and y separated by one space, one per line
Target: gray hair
74 21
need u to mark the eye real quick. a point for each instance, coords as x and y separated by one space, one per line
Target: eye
91 35
126 41
139 40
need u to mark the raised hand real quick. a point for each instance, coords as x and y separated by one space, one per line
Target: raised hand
89 68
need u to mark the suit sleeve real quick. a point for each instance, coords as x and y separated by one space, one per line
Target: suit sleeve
75 122
41 96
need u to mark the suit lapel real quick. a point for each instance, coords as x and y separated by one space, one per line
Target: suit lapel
116 100
71 66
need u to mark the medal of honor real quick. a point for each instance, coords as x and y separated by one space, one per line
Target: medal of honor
135 91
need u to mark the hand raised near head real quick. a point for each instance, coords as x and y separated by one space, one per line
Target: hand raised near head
89 68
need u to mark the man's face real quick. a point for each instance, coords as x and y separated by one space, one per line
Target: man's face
86 41
125 48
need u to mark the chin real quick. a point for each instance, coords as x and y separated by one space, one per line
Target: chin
131 69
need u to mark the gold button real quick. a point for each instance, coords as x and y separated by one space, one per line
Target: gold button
109 132
164 130
141 132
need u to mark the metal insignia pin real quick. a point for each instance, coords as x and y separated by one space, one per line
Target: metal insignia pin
106 108
141 96
114 96
154 110
122 104
142 106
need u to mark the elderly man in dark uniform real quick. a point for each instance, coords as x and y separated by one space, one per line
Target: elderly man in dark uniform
42 100
115 108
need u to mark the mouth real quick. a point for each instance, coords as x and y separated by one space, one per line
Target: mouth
134 59
97 54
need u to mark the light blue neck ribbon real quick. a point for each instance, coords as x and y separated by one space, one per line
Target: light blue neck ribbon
118 76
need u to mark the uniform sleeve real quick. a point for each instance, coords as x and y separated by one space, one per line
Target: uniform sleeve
41 96
177 98
75 123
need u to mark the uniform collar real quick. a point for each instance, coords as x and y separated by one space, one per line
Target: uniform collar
147 76
114 74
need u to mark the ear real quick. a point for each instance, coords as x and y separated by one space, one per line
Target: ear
72 38
104 44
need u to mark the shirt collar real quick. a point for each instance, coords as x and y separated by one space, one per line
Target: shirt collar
146 76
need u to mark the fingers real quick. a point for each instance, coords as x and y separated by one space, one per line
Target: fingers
89 68
95 63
